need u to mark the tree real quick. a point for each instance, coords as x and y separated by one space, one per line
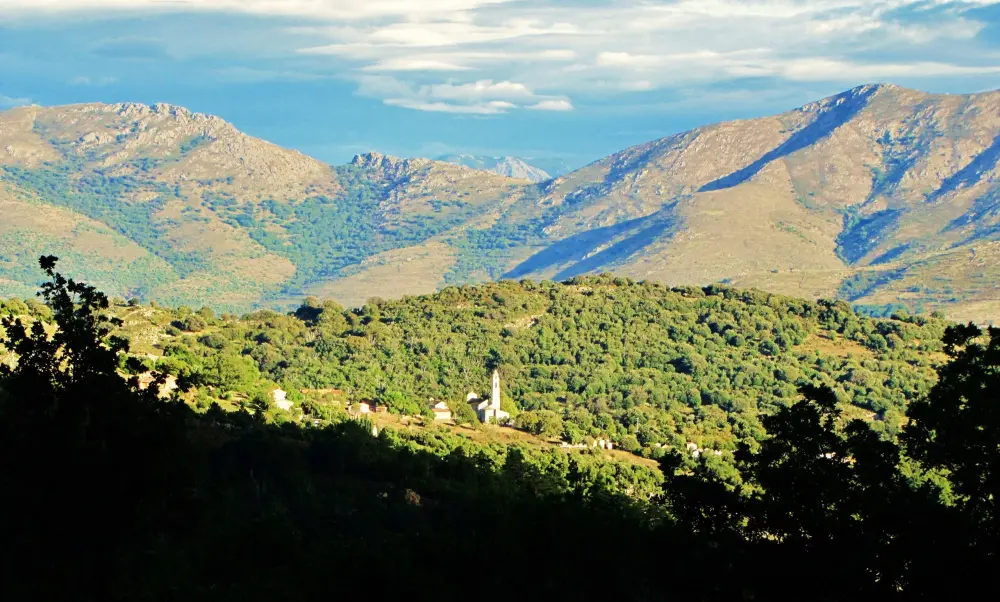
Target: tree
233 372
190 323
76 441
543 423
463 413
957 426
829 492
261 403
630 443
572 434
79 350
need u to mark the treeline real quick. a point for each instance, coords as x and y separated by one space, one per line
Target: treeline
111 493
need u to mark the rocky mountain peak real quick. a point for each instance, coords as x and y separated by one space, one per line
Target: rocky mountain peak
384 167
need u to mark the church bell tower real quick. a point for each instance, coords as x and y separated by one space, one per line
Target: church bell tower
495 395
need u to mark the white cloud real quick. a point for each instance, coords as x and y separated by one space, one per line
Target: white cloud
834 70
483 97
641 85
317 9
415 63
492 107
83 80
448 61
477 90
7 102
560 104
455 33
557 50
624 59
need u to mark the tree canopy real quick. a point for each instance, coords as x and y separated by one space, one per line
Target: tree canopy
111 492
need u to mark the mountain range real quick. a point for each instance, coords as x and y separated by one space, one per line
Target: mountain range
512 167
883 196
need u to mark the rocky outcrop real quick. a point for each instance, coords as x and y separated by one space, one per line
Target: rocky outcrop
386 168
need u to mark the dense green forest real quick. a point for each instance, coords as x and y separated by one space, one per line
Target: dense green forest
112 492
648 367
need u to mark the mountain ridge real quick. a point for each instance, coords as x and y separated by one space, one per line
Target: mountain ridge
881 195
511 167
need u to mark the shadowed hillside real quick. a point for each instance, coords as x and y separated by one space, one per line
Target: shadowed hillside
111 493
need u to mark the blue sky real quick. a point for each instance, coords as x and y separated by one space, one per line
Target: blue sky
553 80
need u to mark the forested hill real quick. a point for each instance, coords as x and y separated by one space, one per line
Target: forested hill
114 492
649 367
881 196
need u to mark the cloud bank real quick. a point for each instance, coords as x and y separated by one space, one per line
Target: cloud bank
489 57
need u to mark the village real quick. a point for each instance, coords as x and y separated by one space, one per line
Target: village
495 423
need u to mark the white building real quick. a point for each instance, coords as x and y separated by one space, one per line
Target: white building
441 411
281 400
489 410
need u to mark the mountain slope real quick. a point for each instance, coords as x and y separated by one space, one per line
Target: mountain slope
204 213
875 181
880 195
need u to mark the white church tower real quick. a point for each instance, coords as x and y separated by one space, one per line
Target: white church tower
488 410
495 395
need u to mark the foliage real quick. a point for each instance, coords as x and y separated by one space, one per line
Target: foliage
323 236
112 494
957 427
544 423
190 323
104 196
612 357
146 487
830 492
862 284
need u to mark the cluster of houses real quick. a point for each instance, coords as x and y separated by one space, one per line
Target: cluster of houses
697 452
595 444
487 410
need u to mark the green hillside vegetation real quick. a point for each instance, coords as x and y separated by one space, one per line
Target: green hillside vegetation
648 367
113 493
323 236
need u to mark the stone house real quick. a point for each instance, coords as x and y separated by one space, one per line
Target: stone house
281 399
441 411
168 387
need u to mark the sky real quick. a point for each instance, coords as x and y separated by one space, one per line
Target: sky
560 82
